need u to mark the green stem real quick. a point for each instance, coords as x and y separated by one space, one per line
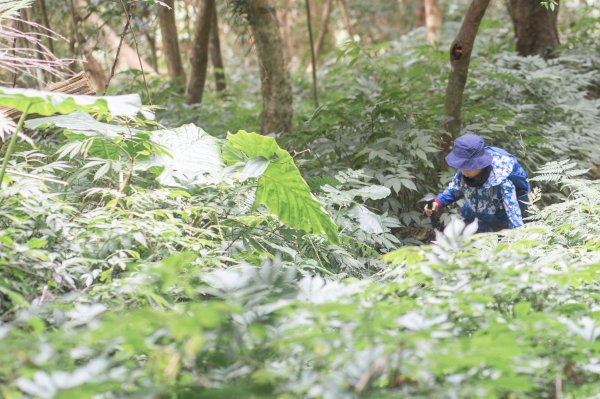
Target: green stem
37 177
11 144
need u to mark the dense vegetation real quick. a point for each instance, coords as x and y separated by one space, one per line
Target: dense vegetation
181 256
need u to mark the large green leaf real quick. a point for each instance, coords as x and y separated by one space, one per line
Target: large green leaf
47 103
281 187
368 221
194 157
78 122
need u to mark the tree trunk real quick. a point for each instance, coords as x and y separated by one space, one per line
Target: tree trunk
199 58
150 35
313 61
127 55
94 68
284 21
433 20
170 42
460 56
315 16
324 26
26 26
314 9
152 44
215 53
535 27
419 13
46 24
90 65
347 22
276 87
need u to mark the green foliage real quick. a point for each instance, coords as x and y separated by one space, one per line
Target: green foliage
550 5
192 157
154 263
48 103
281 188
485 316
368 124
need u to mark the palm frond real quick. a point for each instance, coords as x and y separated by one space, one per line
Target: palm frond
23 53
11 8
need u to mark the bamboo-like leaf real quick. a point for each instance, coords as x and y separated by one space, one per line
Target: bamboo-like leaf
79 122
368 221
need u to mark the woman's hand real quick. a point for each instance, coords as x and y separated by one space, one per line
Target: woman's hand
429 211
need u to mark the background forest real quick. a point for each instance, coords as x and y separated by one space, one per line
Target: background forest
152 246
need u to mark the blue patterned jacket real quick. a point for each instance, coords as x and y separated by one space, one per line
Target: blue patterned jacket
496 202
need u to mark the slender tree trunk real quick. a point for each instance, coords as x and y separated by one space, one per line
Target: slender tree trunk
199 58
39 74
315 16
324 26
313 61
433 20
94 68
127 55
150 35
152 44
314 9
90 65
460 56
170 42
46 23
215 53
535 27
419 13
347 22
188 19
276 86
282 16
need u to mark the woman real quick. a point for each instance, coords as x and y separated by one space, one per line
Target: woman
490 180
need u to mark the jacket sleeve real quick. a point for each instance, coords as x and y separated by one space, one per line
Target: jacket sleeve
511 204
453 193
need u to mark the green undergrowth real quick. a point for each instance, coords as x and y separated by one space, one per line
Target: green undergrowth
152 259
172 263
159 300
382 109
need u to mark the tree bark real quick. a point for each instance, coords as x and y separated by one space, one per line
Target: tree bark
152 44
314 9
170 42
284 22
90 65
313 61
94 68
40 76
150 35
276 86
46 23
127 55
535 27
433 20
324 26
460 56
215 53
199 58
347 22
419 13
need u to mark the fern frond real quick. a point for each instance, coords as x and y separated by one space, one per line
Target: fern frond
33 56
558 171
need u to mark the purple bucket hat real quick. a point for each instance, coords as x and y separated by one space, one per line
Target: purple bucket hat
469 153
